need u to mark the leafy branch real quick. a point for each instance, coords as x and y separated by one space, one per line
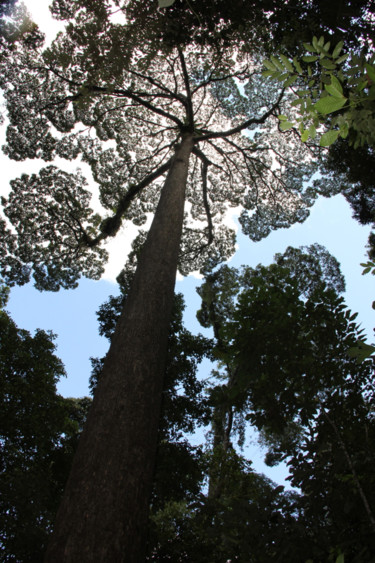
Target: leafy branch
331 91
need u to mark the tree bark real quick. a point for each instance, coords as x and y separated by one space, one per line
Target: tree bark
103 514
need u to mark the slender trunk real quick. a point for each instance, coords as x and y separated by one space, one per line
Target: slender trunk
103 515
222 423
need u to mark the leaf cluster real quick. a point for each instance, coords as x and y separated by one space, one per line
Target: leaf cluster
331 90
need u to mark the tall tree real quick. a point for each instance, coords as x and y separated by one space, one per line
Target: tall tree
175 126
137 127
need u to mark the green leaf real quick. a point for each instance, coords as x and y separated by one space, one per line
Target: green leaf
290 81
309 48
277 63
337 49
329 104
303 92
344 130
297 102
329 138
362 85
340 558
335 88
336 83
305 135
282 117
327 64
312 131
342 59
165 3
288 65
282 76
309 58
285 125
361 351
269 65
297 65
370 71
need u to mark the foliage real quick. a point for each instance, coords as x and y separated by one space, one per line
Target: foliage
269 24
285 350
281 336
58 203
251 521
16 26
80 100
39 433
368 267
333 467
352 170
329 84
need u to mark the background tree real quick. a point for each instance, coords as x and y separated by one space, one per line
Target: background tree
38 432
283 340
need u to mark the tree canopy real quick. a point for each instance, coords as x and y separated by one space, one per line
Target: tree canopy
122 121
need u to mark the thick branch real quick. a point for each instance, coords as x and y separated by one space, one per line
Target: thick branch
111 225
118 92
242 126
205 163
189 105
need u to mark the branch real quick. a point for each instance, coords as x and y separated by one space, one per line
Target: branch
118 92
188 104
111 225
205 164
238 74
168 92
244 125
137 98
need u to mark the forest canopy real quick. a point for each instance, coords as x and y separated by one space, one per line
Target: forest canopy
173 125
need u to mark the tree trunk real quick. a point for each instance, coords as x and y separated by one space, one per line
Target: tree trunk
103 515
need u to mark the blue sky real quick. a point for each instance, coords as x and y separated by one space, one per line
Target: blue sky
71 314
